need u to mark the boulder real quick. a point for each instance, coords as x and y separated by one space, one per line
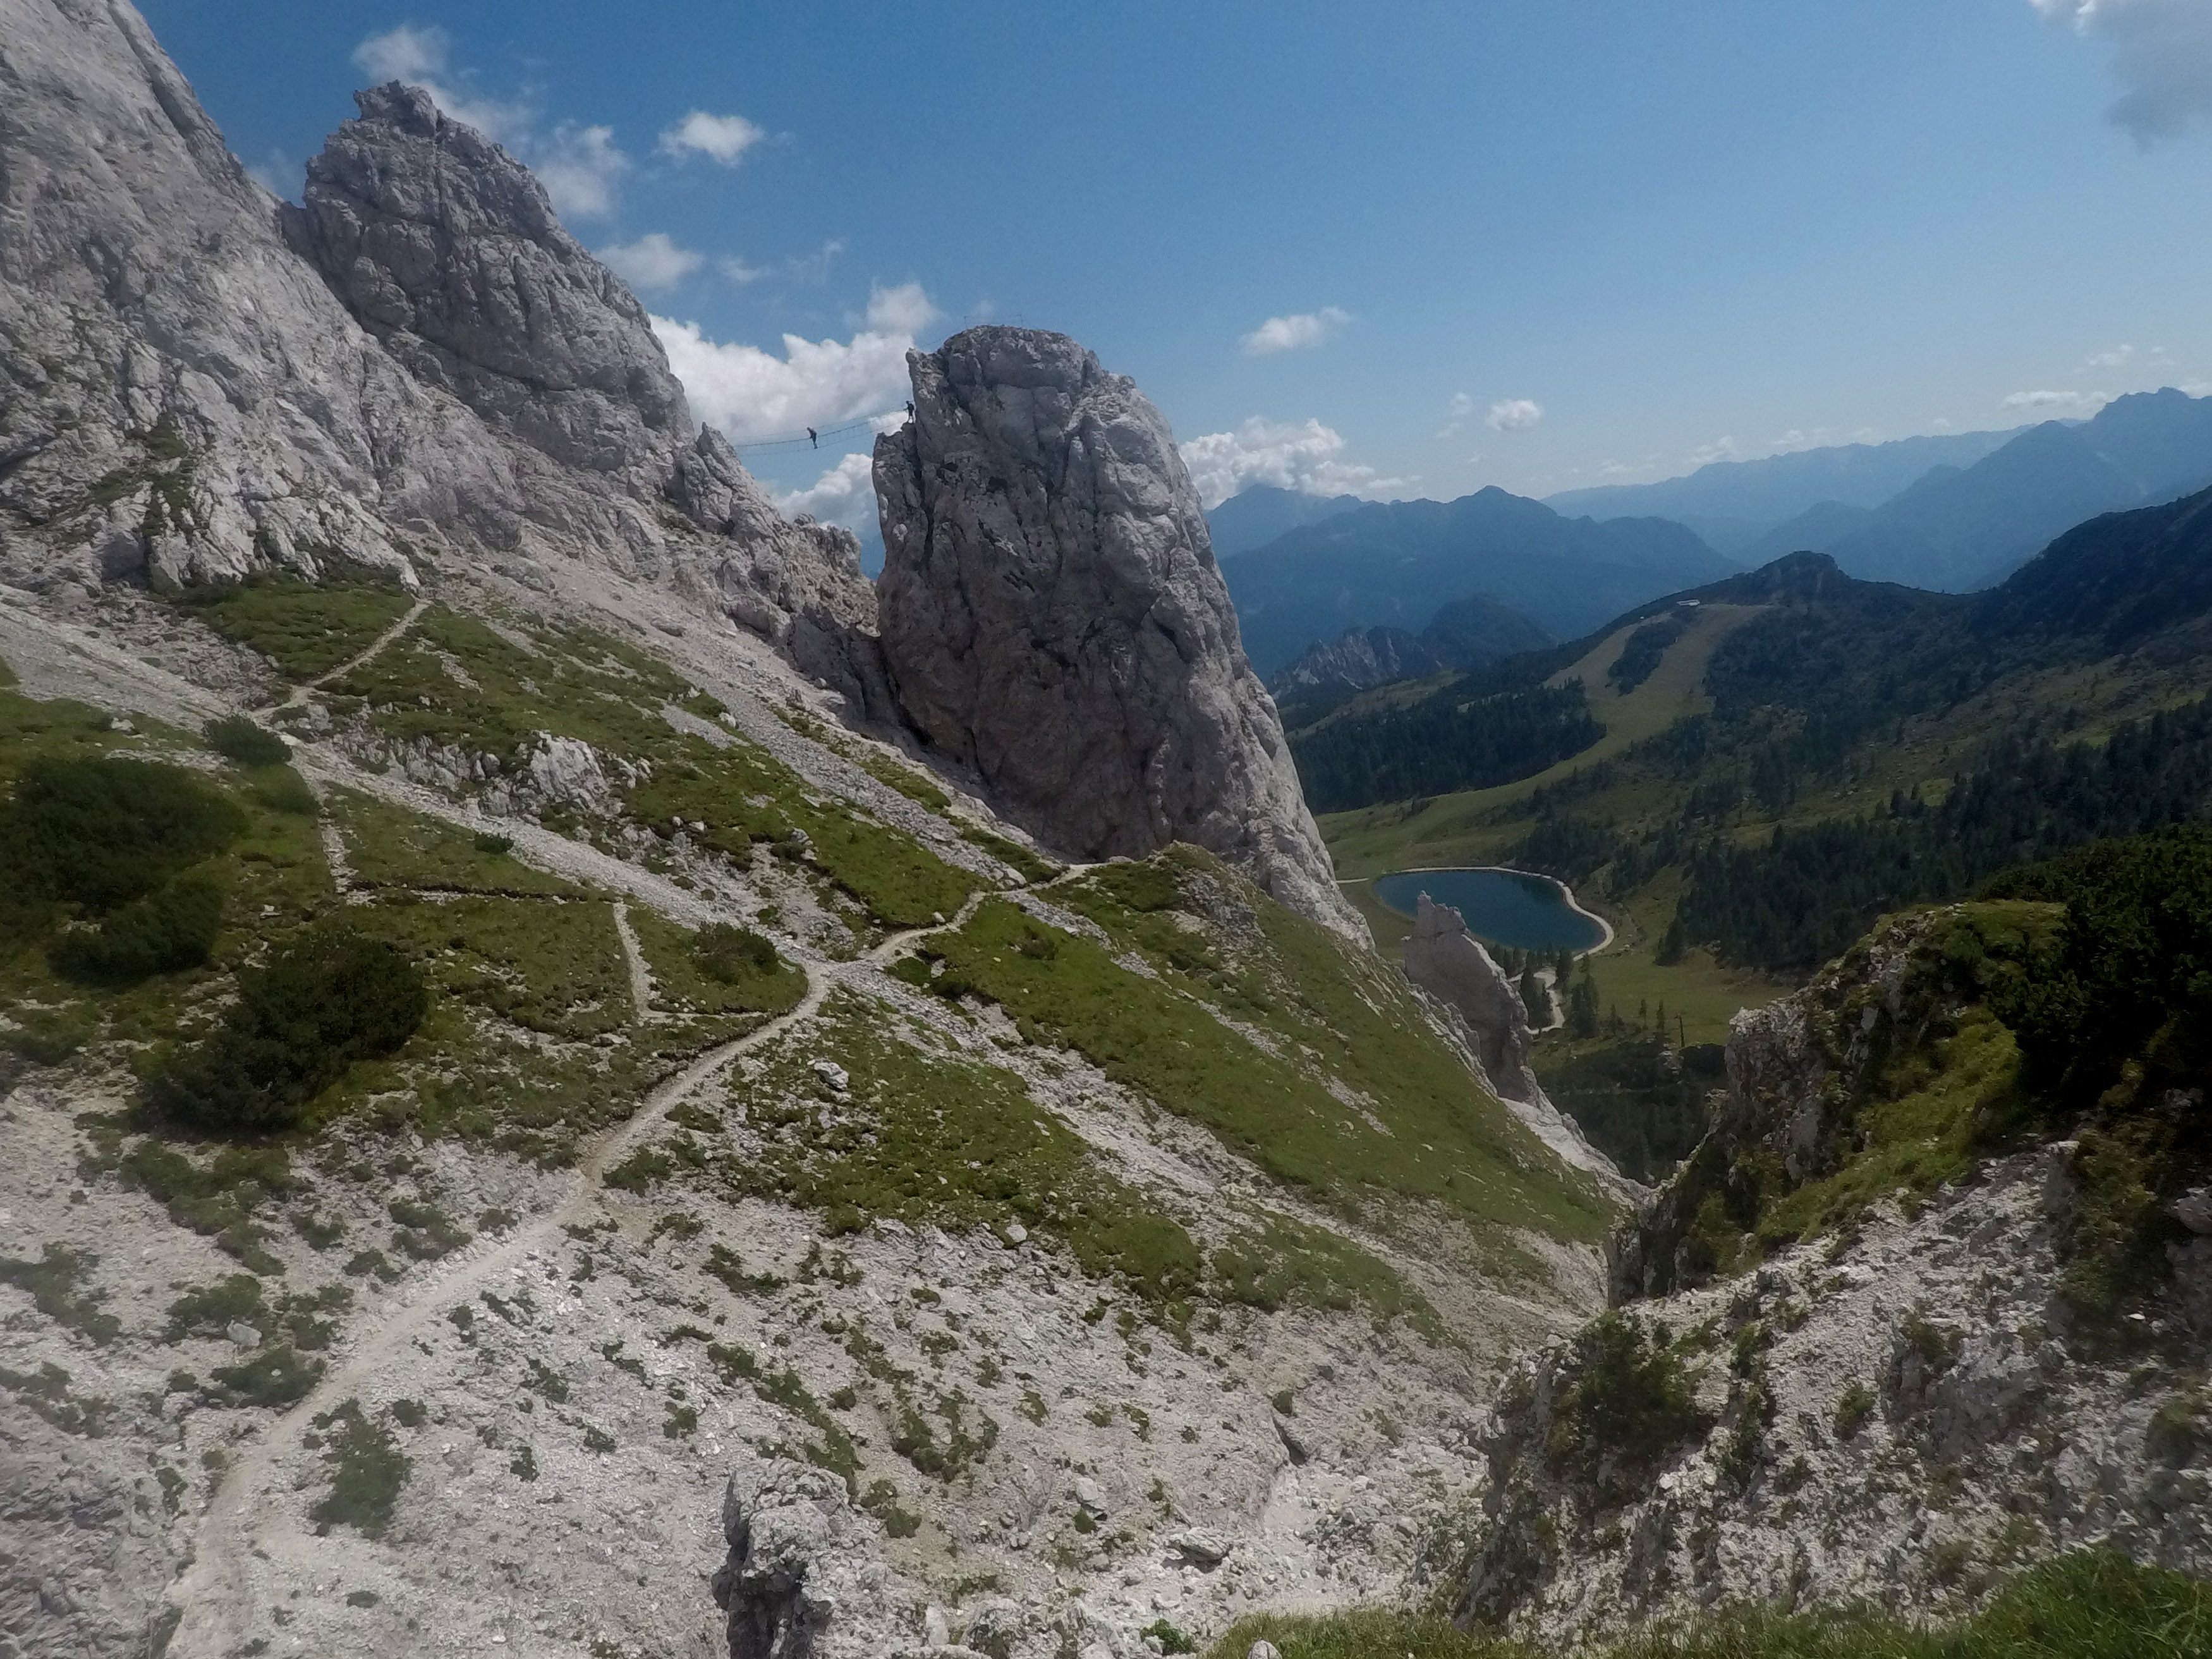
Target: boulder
1052 618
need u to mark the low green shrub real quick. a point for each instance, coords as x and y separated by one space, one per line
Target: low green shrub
367 1471
1631 1403
236 737
2093 1604
100 833
729 954
169 929
327 999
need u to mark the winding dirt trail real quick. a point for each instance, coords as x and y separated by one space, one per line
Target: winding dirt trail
375 649
215 1591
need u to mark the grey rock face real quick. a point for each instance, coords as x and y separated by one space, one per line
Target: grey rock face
1482 1004
1359 658
190 390
1051 617
804 1574
1449 964
448 250
180 397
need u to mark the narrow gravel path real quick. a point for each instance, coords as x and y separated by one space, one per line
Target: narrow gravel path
214 1593
375 649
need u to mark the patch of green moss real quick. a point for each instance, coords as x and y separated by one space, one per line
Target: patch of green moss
1420 1127
58 1284
367 1471
306 628
685 983
554 968
390 847
936 1138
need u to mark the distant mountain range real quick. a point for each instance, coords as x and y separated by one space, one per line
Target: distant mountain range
1952 515
1254 516
1731 503
1396 564
1960 528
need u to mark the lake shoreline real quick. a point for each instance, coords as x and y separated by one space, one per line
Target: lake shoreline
1604 928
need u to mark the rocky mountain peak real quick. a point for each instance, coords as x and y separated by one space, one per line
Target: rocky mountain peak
1052 618
448 251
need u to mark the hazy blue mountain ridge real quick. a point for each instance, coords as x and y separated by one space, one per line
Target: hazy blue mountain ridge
1396 564
1727 499
1256 516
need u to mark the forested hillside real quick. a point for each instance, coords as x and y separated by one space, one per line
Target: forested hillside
1859 747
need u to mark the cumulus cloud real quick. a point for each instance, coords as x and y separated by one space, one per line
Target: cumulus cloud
844 495
901 310
1723 448
1514 415
2059 403
753 394
1293 333
579 165
1306 456
421 57
653 261
723 138
2161 56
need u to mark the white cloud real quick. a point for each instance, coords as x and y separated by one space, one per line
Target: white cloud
1307 457
1514 415
734 270
2118 356
2162 55
2073 402
1455 413
579 165
1723 448
725 138
753 394
844 495
901 310
1292 333
652 262
815 267
420 58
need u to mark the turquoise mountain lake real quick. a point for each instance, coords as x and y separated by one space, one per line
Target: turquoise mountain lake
1502 906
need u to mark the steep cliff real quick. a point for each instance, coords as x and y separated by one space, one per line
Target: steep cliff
1900 1326
1052 618
419 357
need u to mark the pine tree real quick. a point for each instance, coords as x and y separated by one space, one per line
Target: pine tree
1534 1000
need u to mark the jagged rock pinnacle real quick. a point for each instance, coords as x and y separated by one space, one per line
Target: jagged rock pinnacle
1052 618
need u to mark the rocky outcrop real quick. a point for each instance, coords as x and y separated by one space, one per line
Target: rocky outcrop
799 1578
196 382
1887 1392
1480 1003
1449 964
1052 618
180 396
1786 1117
447 251
1464 633
1357 658
1896 1424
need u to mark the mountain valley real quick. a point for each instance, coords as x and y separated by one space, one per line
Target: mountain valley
582 1079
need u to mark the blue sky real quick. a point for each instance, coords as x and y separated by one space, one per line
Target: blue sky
1398 248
